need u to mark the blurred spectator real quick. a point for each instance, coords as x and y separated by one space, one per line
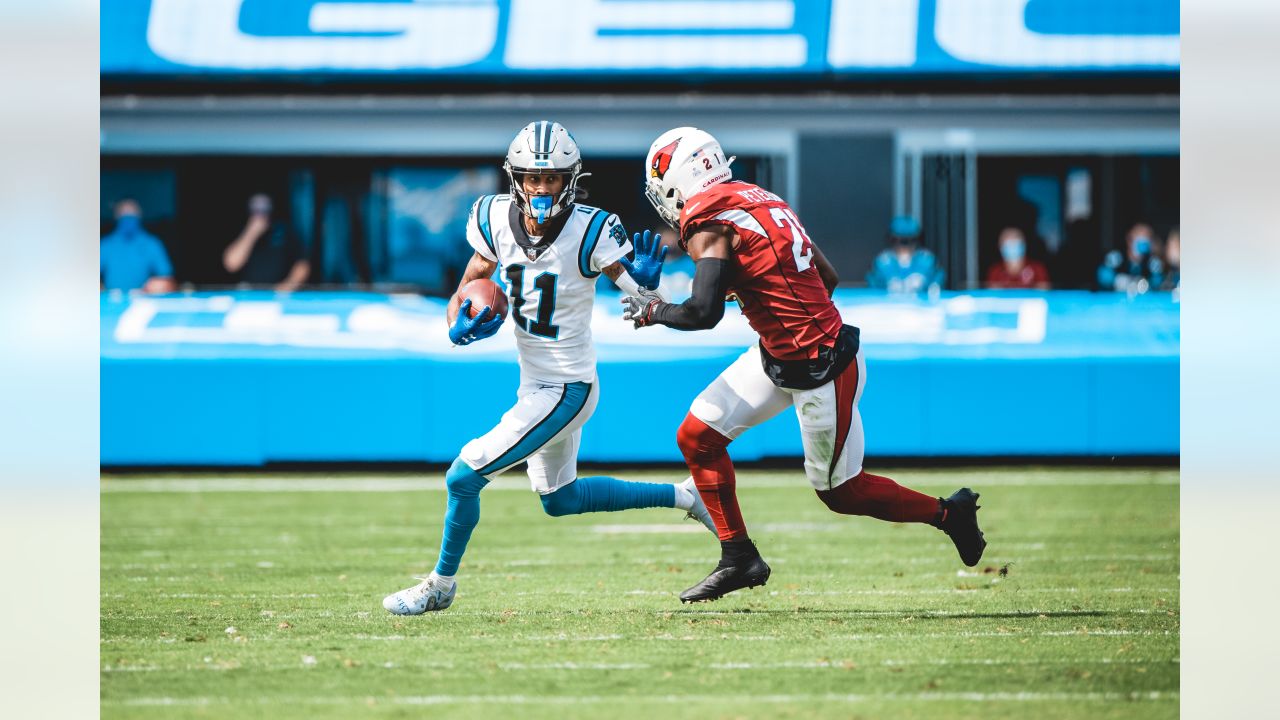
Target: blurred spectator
266 252
905 266
1015 270
1138 269
1173 261
130 258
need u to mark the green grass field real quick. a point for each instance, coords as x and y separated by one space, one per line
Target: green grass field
261 597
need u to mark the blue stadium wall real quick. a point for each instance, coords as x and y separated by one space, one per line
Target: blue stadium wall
250 378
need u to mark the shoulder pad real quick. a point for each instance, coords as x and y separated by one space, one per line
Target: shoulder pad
590 238
712 200
481 214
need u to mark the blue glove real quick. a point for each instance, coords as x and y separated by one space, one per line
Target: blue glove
647 268
466 330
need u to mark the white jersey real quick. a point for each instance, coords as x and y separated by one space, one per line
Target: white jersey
552 283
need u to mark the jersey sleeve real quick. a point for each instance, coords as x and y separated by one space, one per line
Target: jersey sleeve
160 265
479 230
611 244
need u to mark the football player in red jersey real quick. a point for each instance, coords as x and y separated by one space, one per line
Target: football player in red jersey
747 243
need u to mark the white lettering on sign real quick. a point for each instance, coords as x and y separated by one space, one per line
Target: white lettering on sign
995 32
873 33
570 36
636 35
418 326
206 33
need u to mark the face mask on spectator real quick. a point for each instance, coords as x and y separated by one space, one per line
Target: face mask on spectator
1013 250
128 224
1142 245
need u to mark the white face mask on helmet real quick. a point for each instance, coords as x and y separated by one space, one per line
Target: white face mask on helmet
544 147
682 163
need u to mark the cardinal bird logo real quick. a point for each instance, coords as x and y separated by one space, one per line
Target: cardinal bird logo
662 160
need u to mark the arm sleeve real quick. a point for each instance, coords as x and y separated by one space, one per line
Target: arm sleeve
160 265
476 238
612 245
629 287
704 309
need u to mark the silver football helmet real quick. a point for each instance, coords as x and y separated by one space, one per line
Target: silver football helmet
544 147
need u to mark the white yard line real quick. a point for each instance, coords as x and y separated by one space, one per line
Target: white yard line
631 700
727 666
378 483
850 664
959 635
573 666
779 638
691 528
656 593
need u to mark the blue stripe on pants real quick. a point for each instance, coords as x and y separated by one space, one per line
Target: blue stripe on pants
572 400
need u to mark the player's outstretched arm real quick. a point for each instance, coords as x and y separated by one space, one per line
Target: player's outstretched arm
618 274
710 250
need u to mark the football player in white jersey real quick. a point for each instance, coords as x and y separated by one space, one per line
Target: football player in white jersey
548 250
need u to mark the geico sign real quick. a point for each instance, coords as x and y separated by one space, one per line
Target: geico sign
630 34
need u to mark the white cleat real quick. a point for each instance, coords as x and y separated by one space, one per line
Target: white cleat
421 598
699 510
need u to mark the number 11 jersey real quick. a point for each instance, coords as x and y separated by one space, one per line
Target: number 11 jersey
772 272
550 281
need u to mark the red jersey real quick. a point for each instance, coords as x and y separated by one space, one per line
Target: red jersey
772 271
1032 274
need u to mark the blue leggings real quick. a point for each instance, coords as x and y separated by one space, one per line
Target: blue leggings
606 494
590 494
462 515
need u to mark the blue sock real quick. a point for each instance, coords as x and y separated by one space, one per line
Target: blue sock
462 516
606 494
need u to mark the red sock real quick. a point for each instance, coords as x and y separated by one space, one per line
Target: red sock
882 498
712 470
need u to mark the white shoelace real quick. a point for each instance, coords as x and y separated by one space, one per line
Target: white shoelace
422 589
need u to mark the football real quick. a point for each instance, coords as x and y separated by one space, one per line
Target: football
484 293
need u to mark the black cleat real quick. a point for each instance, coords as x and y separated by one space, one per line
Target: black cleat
960 523
729 575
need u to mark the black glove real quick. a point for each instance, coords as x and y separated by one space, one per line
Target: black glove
639 310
